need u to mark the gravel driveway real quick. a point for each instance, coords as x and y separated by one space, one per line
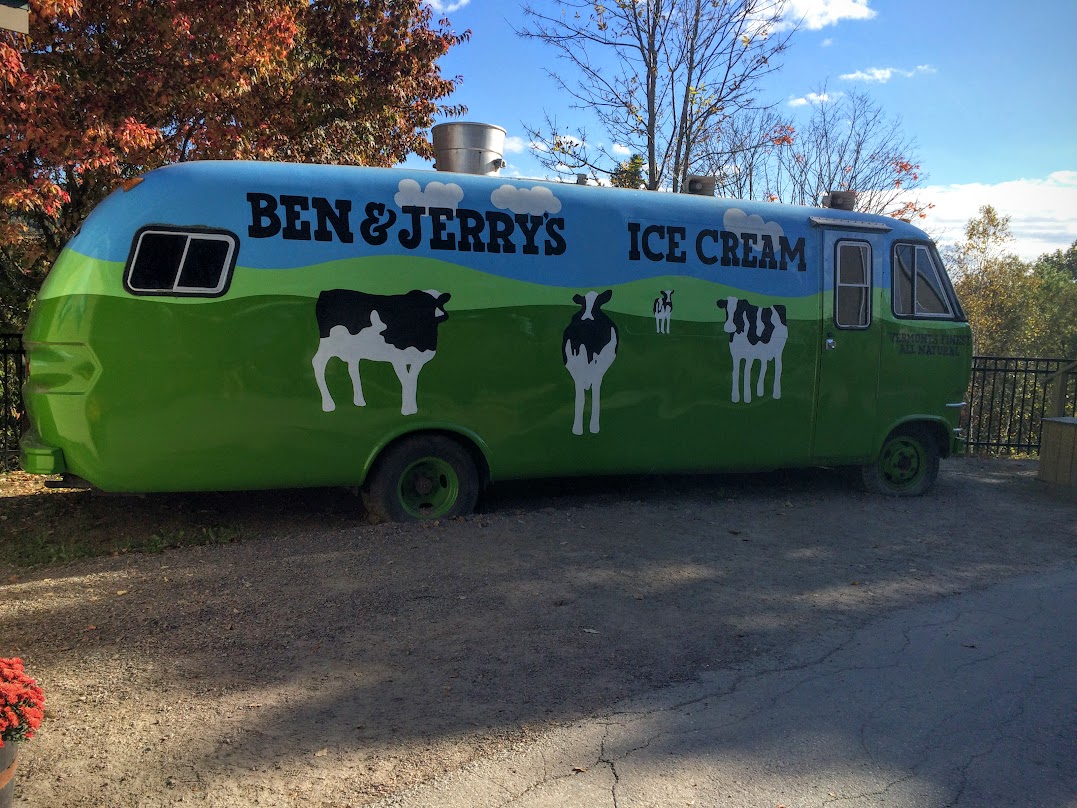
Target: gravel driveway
326 662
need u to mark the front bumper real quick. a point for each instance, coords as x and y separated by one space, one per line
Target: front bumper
37 457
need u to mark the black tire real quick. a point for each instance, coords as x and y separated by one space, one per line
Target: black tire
908 464
419 478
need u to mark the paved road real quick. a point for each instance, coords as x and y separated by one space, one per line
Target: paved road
971 701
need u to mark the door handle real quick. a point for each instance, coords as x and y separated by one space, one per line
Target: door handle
831 344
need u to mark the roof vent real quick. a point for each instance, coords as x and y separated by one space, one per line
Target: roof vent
840 200
469 148
699 185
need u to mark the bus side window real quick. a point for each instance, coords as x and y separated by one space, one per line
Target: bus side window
852 285
930 298
175 262
156 261
918 290
904 267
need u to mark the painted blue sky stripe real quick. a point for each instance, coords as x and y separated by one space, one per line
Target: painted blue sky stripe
563 235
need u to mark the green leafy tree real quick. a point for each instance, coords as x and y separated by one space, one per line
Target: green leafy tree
1000 293
629 174
1016 308
1060 266
1057 274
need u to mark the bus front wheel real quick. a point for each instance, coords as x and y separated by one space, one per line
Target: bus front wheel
908 464
422 477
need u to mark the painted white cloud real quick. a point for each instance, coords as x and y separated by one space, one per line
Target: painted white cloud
1042 211
884 74
817 14
436 195
621 151
534 201
814 98
738 221
446 7
515 145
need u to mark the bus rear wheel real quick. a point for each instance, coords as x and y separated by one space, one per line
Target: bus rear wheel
422 477
908 464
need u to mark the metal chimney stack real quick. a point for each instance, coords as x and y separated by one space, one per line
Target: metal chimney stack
469 148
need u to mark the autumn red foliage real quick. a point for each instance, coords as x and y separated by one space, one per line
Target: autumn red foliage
782 135
22 702
103 90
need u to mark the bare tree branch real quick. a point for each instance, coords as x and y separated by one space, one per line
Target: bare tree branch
659 75
848 143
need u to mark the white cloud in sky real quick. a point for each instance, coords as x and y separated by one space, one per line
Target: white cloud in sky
621 151
884 74
514 145
817 14
826 43
1042 211
446 6
813 98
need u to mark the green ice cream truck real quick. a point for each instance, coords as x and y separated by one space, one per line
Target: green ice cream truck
244 325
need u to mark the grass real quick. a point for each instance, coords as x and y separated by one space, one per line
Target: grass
42 526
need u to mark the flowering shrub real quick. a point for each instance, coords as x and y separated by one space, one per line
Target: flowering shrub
22 702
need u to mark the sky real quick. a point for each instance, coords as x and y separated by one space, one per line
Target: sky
987 89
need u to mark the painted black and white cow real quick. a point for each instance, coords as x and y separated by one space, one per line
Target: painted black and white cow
755 333
399 329
589 347
663 310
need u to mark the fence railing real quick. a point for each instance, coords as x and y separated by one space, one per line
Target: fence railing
1006 399
11 377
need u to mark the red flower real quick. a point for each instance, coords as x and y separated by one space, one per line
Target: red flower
22 702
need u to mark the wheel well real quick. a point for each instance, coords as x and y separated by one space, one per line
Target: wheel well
935 430
467 443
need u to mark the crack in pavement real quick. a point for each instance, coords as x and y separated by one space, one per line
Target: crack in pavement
923 721
866 794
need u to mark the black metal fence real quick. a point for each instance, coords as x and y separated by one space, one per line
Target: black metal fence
11 375
1006 400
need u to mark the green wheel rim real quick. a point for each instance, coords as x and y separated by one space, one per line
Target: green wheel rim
428 488
903 462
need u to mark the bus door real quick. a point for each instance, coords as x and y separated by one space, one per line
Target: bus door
851 339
